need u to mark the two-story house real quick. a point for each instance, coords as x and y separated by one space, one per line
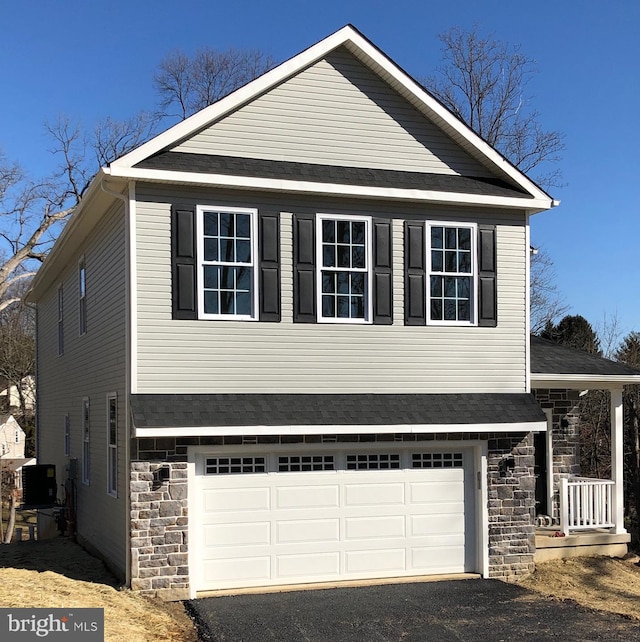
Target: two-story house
287 341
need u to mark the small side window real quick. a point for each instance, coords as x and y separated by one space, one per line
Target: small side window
82 297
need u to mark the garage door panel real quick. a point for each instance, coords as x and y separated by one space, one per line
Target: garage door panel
428 491
375 527
314 565
309 530
250 570
307 497
243 534
235 499
362 494
442 558
377 560
421 525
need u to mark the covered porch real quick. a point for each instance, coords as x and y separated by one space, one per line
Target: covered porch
576 515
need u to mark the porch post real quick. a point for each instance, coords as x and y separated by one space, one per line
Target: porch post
617 459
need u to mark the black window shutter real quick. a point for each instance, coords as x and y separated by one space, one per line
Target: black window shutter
414 274
304 268
269 278
487 292
382 272
183 264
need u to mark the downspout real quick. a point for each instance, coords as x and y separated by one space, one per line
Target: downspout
127 386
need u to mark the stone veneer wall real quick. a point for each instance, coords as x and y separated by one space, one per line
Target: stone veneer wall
159 506
565 435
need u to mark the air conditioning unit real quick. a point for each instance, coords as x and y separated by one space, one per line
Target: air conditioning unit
39 488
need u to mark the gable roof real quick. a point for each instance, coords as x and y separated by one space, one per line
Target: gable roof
562 366
138 164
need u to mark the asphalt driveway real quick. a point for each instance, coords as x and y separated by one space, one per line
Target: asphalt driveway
461 610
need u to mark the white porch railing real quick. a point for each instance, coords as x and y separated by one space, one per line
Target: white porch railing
586 504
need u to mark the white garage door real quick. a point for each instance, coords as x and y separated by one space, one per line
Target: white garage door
286 518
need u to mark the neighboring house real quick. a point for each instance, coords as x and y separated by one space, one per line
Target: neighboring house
12 438
287 341
10 396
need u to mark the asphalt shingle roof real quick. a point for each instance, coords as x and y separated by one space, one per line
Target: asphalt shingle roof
201 410
287 170
548 357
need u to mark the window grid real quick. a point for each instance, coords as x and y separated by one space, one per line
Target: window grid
451 280
436 460
344 274
304 463
233 465
373 461
227 251
112 445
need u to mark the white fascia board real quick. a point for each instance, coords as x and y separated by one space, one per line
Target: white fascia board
582 381
242 95
205 431
312 187
368 53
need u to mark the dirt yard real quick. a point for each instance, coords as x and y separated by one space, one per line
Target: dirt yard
57 573
73 578
600 583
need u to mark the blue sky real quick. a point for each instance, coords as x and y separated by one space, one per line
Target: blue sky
89 60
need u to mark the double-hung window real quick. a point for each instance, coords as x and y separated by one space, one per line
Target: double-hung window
451 262
112 444
86 441
226 256
343 246
60 321
82 297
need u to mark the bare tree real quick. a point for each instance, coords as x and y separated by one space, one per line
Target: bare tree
191 84
483 81
546 302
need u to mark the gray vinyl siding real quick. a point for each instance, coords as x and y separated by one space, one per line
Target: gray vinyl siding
226 356
336 112
92 366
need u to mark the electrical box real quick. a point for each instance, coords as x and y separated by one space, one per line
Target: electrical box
39 488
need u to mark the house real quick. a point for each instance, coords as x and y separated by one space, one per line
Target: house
287 341
14 397
12 438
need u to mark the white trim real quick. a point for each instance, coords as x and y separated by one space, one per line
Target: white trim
617 459
367 271
582 381
312 187
333 429
195 534
132 288
549 455
482 509
527 308
473 302
369 55
200 262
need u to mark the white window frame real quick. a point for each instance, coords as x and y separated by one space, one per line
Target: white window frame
201 263
473 302
86 441
67 435
60 320
112 446
367 270
82 296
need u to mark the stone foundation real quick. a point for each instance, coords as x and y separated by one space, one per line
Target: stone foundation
159 530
